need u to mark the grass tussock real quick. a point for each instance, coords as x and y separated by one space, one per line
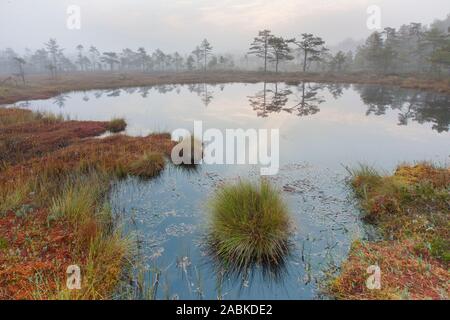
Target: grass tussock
249 225
54 205
148 166
411 208
13 193
79 197
116 125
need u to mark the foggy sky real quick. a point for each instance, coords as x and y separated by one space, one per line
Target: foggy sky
179 25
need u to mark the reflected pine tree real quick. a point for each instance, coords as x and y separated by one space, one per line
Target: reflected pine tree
130 90
144 91
201 89
279 99
337 89
165 88
113 93
276 100
85 96
98 94
268 101
378 99
206 95
259 102
60 100
435 110
308 100
411 105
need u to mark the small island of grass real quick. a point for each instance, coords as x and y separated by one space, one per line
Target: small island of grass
249 225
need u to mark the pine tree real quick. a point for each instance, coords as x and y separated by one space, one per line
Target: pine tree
206 49
312 48
260 46
280 50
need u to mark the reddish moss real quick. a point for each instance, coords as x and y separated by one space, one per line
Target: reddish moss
411 210
37 255
24 135
408 271
36 248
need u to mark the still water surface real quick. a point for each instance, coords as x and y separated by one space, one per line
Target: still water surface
323 128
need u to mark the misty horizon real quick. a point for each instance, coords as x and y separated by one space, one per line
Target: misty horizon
180 25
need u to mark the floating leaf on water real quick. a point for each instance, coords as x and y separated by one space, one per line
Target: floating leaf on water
157 252
183 263
179 230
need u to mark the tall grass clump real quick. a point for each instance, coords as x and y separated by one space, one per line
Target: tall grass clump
79 197
13 116
249 225
363 177
13 194
148 166
83 203
116 125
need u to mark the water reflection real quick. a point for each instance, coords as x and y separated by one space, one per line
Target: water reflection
271 272
168 213
205 94
337 89
268 101
113 93
98 94
308 99
144 91
60 100
422 107
304 100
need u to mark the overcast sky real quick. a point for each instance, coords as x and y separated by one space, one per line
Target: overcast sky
179 25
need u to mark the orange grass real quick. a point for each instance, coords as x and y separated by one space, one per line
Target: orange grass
53 210
407 272
34 254
25 134
411 209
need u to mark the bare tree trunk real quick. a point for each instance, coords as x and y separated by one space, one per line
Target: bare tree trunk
304 61
265 62
22 74
204 65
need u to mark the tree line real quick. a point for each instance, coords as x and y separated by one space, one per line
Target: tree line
52 59
412 48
